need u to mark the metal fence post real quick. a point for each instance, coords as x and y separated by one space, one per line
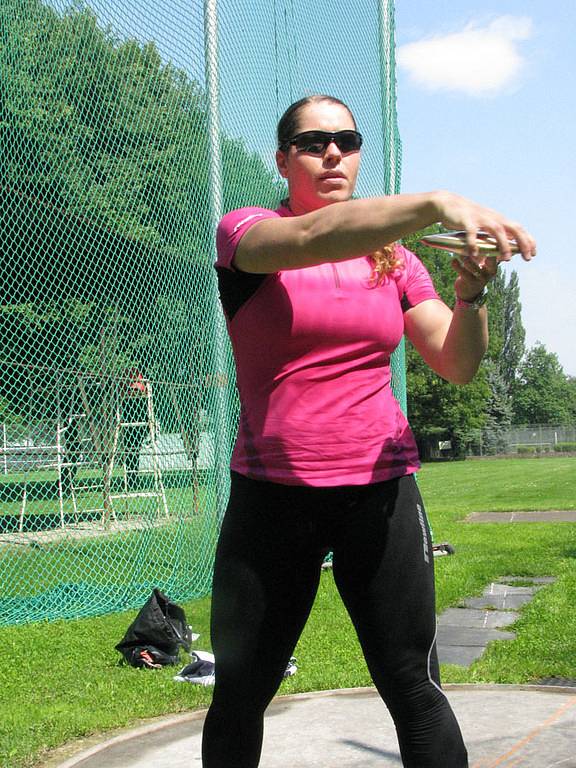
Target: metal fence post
221 355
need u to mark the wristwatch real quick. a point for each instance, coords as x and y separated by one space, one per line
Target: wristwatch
475 303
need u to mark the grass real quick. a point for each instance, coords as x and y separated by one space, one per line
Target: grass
62 680
499 485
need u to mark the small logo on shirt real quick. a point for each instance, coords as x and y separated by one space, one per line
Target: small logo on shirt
246 220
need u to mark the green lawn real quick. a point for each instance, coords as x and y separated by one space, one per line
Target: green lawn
61 680
499 485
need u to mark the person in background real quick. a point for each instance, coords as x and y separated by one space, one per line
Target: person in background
134 413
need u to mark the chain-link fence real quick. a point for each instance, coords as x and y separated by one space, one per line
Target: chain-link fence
128 127
525 440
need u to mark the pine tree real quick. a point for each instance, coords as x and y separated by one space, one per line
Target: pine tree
498 412
514 334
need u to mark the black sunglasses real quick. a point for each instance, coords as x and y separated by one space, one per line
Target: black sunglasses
316 142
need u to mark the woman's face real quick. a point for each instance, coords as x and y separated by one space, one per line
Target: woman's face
318 180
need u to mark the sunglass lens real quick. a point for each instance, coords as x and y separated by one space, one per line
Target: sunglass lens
316 142
347 141
312 143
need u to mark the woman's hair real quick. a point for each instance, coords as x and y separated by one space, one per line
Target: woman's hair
288 123
385 259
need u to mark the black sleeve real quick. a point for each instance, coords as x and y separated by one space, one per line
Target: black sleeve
404 303
236 287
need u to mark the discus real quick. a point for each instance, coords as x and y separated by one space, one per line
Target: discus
455 242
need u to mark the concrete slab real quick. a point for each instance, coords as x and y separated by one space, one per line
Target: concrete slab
464 632
499 602
460 655
477 618
465 636
500 588
505 726
533 579
547 516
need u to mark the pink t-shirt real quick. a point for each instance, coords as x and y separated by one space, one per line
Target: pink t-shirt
312 349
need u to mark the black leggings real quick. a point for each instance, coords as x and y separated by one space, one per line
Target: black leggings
268 563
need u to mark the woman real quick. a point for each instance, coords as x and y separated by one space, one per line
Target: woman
324 458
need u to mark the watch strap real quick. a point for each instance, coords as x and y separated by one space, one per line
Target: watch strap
475 303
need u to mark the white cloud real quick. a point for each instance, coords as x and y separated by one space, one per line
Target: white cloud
478 60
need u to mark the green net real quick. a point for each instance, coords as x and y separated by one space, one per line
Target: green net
127 127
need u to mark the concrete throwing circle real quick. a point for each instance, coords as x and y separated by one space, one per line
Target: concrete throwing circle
503 726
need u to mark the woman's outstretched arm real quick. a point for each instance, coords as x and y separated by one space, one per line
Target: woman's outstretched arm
353 228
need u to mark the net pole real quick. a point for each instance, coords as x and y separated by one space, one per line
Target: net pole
388 96
392 166
5 449
221 356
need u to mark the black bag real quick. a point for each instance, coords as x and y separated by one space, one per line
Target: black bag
156 635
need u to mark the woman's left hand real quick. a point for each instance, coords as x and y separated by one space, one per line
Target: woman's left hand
473 275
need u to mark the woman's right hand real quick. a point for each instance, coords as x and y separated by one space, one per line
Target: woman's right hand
457 212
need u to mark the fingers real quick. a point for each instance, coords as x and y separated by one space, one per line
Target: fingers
490 267
503 242
473 276
526 243
471 241
505 247
484 270
511 238
472 218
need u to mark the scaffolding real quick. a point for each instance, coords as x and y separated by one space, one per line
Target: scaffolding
124 443
80 441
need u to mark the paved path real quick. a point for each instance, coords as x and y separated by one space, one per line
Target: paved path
464 632
549 516
503 726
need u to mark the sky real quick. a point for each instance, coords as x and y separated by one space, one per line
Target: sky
487 108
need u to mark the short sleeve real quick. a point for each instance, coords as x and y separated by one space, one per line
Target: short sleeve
232 227
415 284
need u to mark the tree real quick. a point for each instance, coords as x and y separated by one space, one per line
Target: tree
514 334
506 346
106 226
438 410
498 411
543 393
436 262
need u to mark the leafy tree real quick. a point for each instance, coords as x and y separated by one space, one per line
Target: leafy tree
6 415
438 410
100 133
543 393
496 327
105 197
436 262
